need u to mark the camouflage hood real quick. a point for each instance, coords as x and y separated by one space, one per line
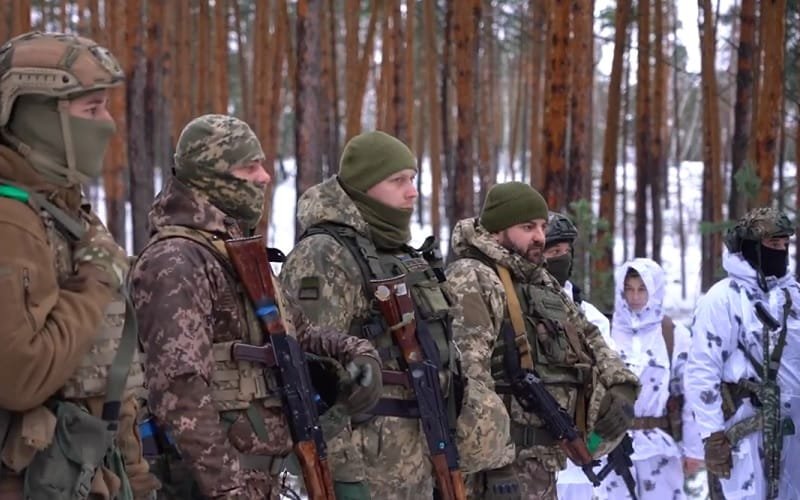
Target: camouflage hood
469 234
328 202
179 205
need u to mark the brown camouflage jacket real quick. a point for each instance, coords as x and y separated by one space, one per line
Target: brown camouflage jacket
481 299
185 303
50 318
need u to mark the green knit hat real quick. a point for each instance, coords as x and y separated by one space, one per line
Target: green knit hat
371 157
511 203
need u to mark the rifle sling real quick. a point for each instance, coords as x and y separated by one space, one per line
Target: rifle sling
517 321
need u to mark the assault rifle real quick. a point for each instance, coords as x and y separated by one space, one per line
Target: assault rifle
619 461
770 396
530 393
397 309
285 357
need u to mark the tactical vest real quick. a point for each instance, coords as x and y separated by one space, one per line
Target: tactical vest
235 385
560 356
424 273
111 369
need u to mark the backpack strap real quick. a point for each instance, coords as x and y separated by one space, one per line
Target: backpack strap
668 332
69 225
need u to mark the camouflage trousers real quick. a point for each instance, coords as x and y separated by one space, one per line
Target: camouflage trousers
177 482
534 481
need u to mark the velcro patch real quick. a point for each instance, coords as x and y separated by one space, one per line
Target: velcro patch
309 288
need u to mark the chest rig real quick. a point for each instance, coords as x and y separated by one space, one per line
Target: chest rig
236 385
424 273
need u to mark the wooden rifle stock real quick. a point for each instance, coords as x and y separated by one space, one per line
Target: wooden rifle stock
283 354
397 309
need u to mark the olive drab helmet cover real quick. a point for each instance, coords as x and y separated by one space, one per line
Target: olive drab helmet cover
560 229
757 225
53 64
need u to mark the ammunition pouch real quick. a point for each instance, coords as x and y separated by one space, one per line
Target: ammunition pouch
502 484
66 469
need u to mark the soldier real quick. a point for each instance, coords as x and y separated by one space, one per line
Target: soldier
559 254
655 348
357 229
69 366
747 418
226 424
568 352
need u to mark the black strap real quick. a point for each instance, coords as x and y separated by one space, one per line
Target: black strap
400 408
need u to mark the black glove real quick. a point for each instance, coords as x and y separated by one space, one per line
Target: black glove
615 414
367 384
718 454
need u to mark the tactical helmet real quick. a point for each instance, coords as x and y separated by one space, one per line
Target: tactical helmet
53 64
560 229
756 225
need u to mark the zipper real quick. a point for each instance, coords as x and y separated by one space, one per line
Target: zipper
26 286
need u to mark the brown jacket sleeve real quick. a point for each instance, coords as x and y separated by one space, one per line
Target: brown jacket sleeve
45 330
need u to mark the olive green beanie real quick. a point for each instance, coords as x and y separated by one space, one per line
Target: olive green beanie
371 157
511 203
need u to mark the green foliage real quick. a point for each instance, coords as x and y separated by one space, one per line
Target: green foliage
587 249
747 181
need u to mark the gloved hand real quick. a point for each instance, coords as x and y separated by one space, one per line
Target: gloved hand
367 384
98 255
718 454
615 414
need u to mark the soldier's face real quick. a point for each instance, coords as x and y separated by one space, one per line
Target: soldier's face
526 239
397 191
91 106
777 243
253 172
635 293
557 250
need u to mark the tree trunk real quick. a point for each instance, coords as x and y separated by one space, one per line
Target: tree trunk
409 73
643 129
772 18
335 118
464 36
359 66
516 110
678 158
240 26
538 44
447 145
485 113
307 90
556 106
797 190
204 60
154 120
742 125
657 154
712 203
220 65
602 278
580 147
141 171
435 151
95 31
21 22
114 170
184 83
399 97
626 106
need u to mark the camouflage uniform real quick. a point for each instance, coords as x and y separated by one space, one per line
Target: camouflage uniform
61 275
389 452
226 422
481 296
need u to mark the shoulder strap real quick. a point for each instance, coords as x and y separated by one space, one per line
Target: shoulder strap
69 225
668 332
517 321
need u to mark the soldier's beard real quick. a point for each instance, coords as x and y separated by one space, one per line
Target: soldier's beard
533 252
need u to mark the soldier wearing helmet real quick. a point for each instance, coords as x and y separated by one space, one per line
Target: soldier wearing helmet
228 426
69 366
559 254
750 441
